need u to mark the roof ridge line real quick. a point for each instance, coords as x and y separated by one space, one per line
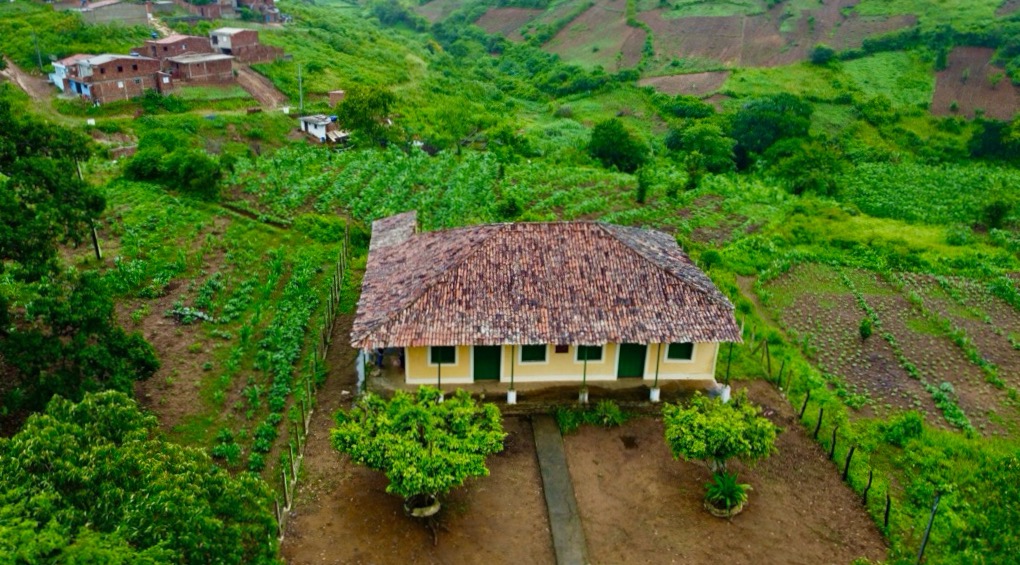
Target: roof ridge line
713 296
431 283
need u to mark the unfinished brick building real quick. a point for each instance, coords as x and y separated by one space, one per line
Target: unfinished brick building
201 68
106 78
175 46
243 44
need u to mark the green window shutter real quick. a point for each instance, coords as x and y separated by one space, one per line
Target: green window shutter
680 351
589 352
533 353
447 355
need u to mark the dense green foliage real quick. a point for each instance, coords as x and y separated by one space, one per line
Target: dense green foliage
713 431
616 147
424 445
91 483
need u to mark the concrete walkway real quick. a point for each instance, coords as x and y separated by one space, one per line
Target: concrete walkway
568 535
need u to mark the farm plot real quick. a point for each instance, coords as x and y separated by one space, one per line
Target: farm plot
824 317
948 374
638 505
992 325
600 36
971 83
227 302
694 84
780 36
507 21
437 10
711 38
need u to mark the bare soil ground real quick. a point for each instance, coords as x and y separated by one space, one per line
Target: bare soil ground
600 36
344 515
1008 7
759 40
259 87
694 84
507 21
819 308
37 87
638 505
967 82
437 10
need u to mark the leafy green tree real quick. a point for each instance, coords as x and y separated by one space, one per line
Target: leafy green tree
616 146
93 483
43 203
709 140
822 54
425 447
364 109
807 165
713 431
761 122
70 345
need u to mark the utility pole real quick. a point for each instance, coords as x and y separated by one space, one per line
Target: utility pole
38 55
92 224
301 91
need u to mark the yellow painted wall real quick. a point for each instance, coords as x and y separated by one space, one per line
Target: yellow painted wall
420 371
562 367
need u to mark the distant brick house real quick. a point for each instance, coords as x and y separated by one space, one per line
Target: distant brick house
175 46
243 45
66 69
205 68
106 78
539 302
265 8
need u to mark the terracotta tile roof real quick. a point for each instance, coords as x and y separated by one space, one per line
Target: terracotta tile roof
534 283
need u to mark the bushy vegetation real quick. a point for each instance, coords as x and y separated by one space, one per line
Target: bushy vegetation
93 482
425 445
836 161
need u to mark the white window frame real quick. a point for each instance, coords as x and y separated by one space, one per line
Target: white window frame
428 352
694 351
577 353
520 355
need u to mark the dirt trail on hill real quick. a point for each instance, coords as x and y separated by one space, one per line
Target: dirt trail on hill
259 87
38 88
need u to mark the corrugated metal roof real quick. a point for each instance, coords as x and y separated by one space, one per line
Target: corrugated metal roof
534 283
199 58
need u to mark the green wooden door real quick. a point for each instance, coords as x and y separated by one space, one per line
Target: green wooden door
632 361
487 361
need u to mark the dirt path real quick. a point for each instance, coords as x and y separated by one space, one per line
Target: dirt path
38 88
259 87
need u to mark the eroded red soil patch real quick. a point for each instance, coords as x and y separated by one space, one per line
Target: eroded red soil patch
694 84
506 21
968 81
600 36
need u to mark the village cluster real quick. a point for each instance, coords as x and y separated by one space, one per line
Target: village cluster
160 65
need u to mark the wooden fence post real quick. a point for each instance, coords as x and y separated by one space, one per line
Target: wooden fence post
818 426
286 491
832 448
871 475
804 406
293 461
927 531
846 467
768 358
888 504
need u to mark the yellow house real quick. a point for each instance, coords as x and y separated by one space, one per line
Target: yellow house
549 302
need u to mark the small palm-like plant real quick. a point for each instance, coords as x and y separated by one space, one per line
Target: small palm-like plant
725 493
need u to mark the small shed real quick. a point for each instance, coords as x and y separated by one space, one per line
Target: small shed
318 126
